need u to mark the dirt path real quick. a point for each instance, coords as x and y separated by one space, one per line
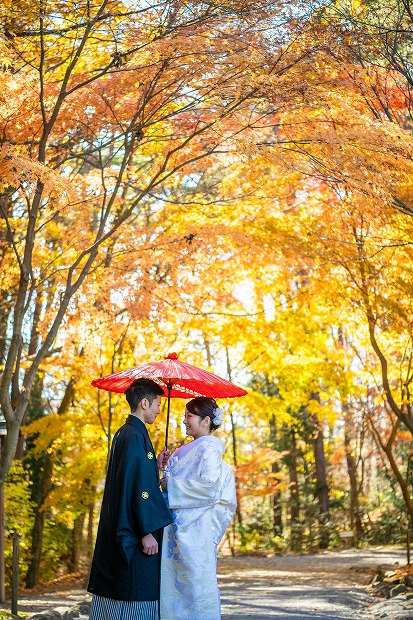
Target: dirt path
326 586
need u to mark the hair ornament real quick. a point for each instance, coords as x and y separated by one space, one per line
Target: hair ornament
218 414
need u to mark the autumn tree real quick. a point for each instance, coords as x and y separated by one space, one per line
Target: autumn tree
105 108
226 180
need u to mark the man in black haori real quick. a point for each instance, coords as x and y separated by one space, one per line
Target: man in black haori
125 573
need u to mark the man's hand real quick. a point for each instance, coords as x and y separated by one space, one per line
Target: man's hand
149 544
164 483
163 458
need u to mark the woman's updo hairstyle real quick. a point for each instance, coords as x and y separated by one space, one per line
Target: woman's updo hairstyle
204 407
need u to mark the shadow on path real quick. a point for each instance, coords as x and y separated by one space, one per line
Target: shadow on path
326 586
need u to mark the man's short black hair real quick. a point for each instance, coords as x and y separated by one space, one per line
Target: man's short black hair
140 389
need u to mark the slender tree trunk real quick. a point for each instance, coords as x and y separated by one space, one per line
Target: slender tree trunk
277 506
35 409
4 317
45 487
404 485
234 446
230 541
403 414
208 351
321 490
388 450
5 297
276 498
41 470
355 517
117 348
32 576
77 540
294 494
90 524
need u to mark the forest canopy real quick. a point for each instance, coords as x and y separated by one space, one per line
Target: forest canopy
232 181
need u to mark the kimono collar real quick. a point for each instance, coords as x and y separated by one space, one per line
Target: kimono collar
137 423
187 447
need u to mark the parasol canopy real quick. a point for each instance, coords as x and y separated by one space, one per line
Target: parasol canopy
177 379
185 380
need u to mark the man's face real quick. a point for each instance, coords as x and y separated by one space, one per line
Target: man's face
151 411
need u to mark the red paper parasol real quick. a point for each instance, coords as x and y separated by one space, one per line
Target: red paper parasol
178 380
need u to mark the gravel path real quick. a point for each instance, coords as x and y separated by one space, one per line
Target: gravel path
326 586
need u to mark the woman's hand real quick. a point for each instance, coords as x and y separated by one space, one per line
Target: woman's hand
163 458
164 484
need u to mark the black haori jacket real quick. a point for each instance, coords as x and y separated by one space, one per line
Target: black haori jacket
132 507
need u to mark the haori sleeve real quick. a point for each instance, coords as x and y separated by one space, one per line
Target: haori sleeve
202 485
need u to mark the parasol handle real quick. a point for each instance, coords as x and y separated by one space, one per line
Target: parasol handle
169 386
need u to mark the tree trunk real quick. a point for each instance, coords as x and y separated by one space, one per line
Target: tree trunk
387 449
90 523
32 576
404 485
294 494
403 414
321 490
277 506
45 487
234 445
208 351
34 411
77 540
4 317
355 517
5 296
276 498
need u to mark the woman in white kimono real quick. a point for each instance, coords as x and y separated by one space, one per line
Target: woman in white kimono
201 496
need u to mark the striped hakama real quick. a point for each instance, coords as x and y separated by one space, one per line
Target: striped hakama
108 609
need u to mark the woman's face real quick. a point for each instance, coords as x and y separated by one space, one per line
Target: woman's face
195 425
